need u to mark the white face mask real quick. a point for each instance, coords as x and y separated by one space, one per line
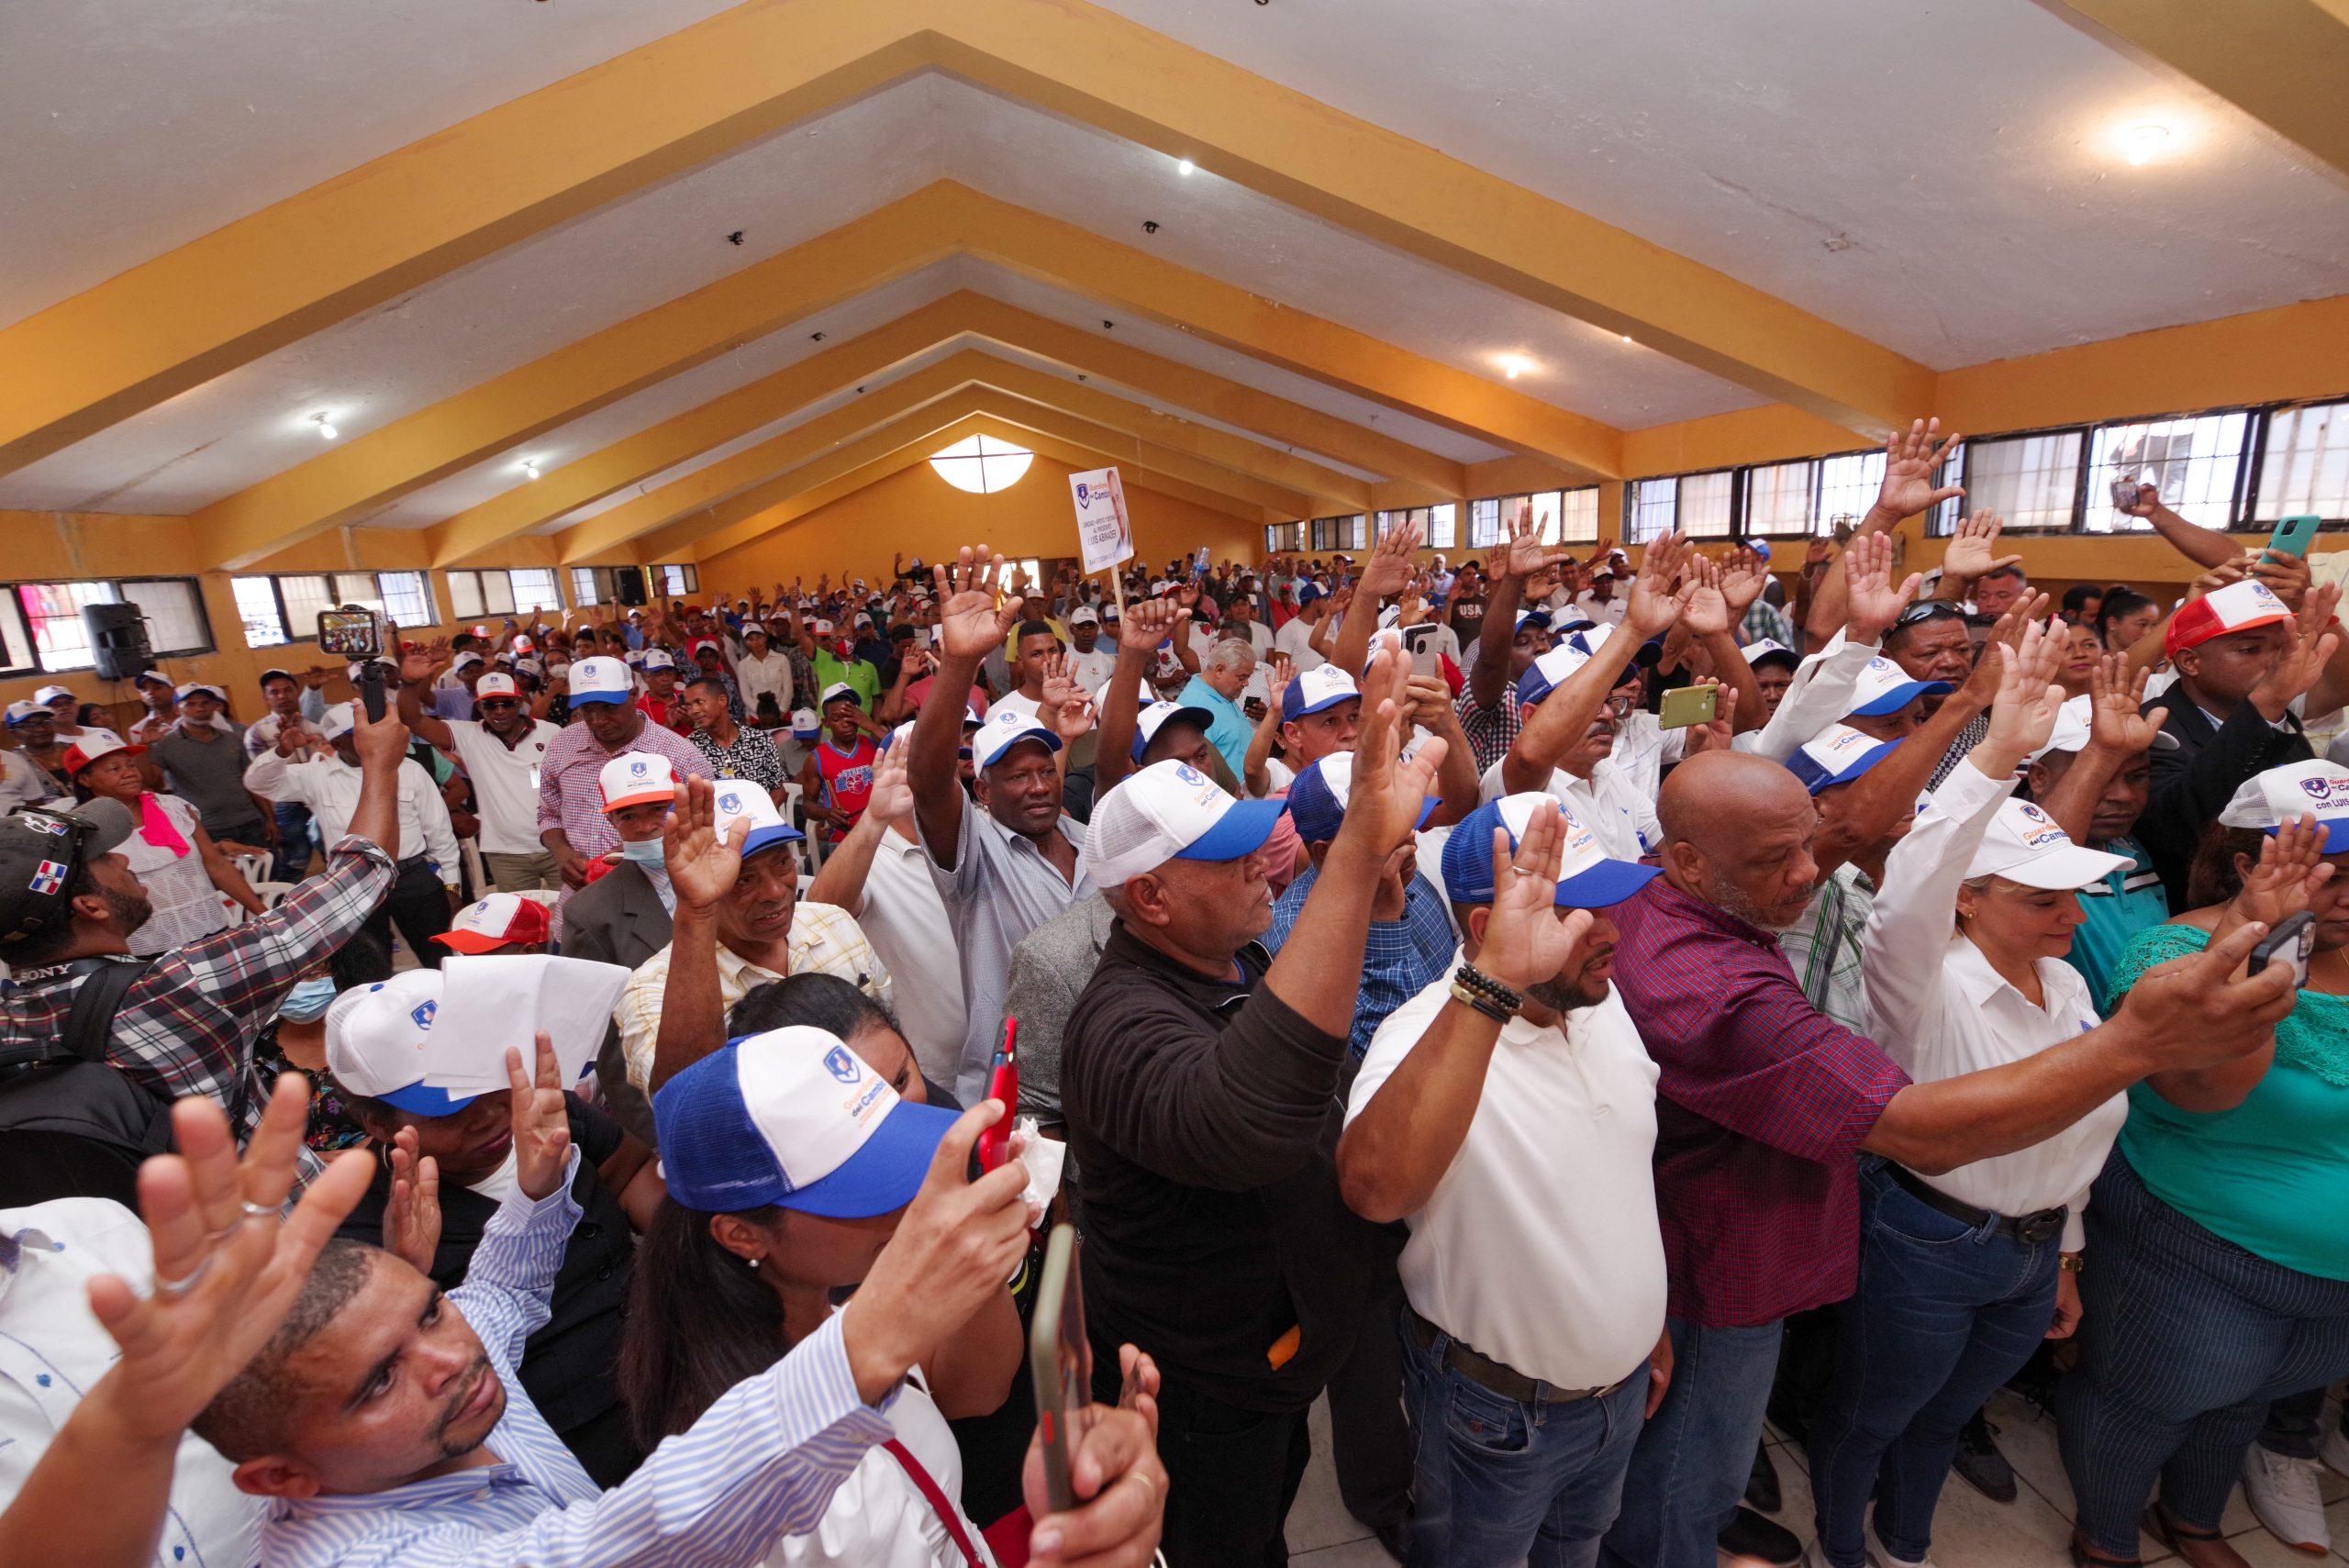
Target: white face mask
643 851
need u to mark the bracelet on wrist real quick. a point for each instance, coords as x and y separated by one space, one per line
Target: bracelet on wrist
1475 980
1478 1002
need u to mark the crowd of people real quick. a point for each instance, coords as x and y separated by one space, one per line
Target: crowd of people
1562 1012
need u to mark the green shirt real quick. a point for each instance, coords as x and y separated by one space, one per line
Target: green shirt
2271 1176
830 668
2112 912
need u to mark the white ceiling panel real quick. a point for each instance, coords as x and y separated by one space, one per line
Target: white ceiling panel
1946 179
133 127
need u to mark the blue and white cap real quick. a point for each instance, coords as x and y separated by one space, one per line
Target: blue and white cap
375 1042
1007 728
1317 799
1885 687
1323 686
601 679
1763 647
1549 672
2024 845
1588 877
793 1118
659 658
2318 789
1157 715
740 800
1171 811
1836 755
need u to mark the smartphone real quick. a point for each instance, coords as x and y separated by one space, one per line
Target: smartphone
1685 705
2291 941
1060 1365
2124 491
2292 534
1003 1084
357 635
1418 641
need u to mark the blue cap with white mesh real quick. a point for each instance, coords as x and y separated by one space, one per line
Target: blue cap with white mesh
793 1118
1588 877
1836 755
1317 800
1323 686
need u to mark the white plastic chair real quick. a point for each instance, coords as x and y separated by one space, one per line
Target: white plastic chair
252 868
271 893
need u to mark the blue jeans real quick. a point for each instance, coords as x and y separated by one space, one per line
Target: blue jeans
292 860
1507 1480
1689 1466
1946 1312
2184 1340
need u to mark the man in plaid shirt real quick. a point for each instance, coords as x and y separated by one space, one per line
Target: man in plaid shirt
186 1024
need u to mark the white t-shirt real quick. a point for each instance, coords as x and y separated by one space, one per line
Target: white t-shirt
879 1518
1092 670
902 917
1605 612
1296 639
506 783
1607 803
1018 702
1540 1247
772 674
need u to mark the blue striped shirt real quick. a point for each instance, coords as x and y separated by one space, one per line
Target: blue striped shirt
762 1463
1400 959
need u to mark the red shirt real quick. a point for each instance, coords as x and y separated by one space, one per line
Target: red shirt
667 712
848 778
1760 1108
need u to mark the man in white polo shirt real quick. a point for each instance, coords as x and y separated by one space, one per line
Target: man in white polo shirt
502 752
1507 1114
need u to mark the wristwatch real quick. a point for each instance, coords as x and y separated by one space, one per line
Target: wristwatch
2070 1263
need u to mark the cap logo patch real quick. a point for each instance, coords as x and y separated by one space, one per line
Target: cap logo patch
730 803
2264 595
48 877
1190 774
2325 790
421 1015
841 1064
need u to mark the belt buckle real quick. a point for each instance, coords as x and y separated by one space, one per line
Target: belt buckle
2045 1226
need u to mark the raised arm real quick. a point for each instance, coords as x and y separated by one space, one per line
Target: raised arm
417 668
840 880
2117 733
972 620
1143 627
2204 547
703 867
1561 719
1523 557
1971 556
1910 457
1886 796
1722 596
1385 573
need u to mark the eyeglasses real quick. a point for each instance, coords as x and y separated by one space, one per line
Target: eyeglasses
1620 706
1929 610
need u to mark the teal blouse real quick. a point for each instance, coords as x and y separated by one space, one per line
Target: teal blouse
2271 1176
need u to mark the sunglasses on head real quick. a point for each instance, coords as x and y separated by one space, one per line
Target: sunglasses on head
1929 609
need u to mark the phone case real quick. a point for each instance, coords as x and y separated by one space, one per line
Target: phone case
1057 1374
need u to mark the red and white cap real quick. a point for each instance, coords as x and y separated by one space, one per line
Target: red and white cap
89 748
2238 606
634 777
497 683
493 922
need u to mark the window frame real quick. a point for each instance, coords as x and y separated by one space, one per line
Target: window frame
20 627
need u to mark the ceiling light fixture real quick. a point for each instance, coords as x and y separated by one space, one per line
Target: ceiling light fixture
530 466
2146 143
1186 167
325 428
1513 365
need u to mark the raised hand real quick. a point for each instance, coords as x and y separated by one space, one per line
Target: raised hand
2220 576
227 1267
1064 707
1383 807
1874 604
419 664
1970 546
1147 623
1655 603
1704 611
2301 664
1389 566
973 616
703 863
2114 697
1742 578
1910 457
412 1213
2193 1012
541 1125
1528 938
1278 672
2022 715
2292 868
1525 556
2287 576
892 799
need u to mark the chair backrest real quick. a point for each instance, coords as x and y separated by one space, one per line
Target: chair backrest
272 893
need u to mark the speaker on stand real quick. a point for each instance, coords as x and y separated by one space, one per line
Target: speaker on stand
117 637
628 584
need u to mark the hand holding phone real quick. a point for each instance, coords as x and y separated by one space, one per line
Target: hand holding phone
1003 1084
1060 1363
2291 941
2293 535
1685 705
1418 641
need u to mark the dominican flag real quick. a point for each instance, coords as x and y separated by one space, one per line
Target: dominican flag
50 877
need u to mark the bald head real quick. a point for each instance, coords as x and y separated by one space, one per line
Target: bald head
1737 834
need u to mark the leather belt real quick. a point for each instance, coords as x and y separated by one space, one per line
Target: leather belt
2045 1226
1498 1377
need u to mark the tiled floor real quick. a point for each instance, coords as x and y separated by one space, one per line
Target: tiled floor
1970 1531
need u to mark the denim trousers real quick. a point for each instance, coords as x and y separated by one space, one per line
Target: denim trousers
2184 1340
1502 1481
1690 1463
291 863
1945 1313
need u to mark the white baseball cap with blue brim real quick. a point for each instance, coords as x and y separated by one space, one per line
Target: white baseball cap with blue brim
1885 687
1171 811
2023 845
1836 755
2076 726
375 1042
740 800
601 679
1007 728
1324 686
1764 648
1588 878
659 658
1317 798
792 1118
2319 789
1551 670
1157 715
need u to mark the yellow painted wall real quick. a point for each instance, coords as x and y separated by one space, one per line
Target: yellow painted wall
915 513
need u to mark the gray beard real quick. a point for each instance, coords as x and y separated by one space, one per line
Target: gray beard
1732 899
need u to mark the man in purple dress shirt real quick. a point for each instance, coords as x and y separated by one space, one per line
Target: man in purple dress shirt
1763 1108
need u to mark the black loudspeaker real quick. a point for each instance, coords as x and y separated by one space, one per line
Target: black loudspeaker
117 635
628 584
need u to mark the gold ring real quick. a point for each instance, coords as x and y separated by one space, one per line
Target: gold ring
1145 1480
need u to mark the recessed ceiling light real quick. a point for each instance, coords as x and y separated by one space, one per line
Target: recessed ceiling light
326 426
2146 143
1513 365
530 466
1186 167
1626 337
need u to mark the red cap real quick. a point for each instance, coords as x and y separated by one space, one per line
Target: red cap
2238 606
494 921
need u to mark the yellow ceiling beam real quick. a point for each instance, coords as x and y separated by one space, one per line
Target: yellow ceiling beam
426 209
1120 448
2281 62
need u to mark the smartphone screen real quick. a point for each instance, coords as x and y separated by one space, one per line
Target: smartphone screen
1060 1361
1685 705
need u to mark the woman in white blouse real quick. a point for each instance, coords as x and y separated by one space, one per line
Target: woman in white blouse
188 881
1961 1273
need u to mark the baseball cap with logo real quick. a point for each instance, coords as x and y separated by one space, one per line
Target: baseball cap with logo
41 853
191 688
794 1119
1549 672
48 694
738 800
805 724
1171 811
1885 687
1157 715
1588 877
1007 728
375 1042
1321 687
1317 800
2238 606
1836 755
2075 724
337 722
1084 615
89 748
493 922
1763 647
634 777
601 679
2318 789
2023 844
839 691
24 708
659 658
496 686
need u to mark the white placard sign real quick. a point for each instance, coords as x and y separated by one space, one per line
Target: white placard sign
1103 532
490 1003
